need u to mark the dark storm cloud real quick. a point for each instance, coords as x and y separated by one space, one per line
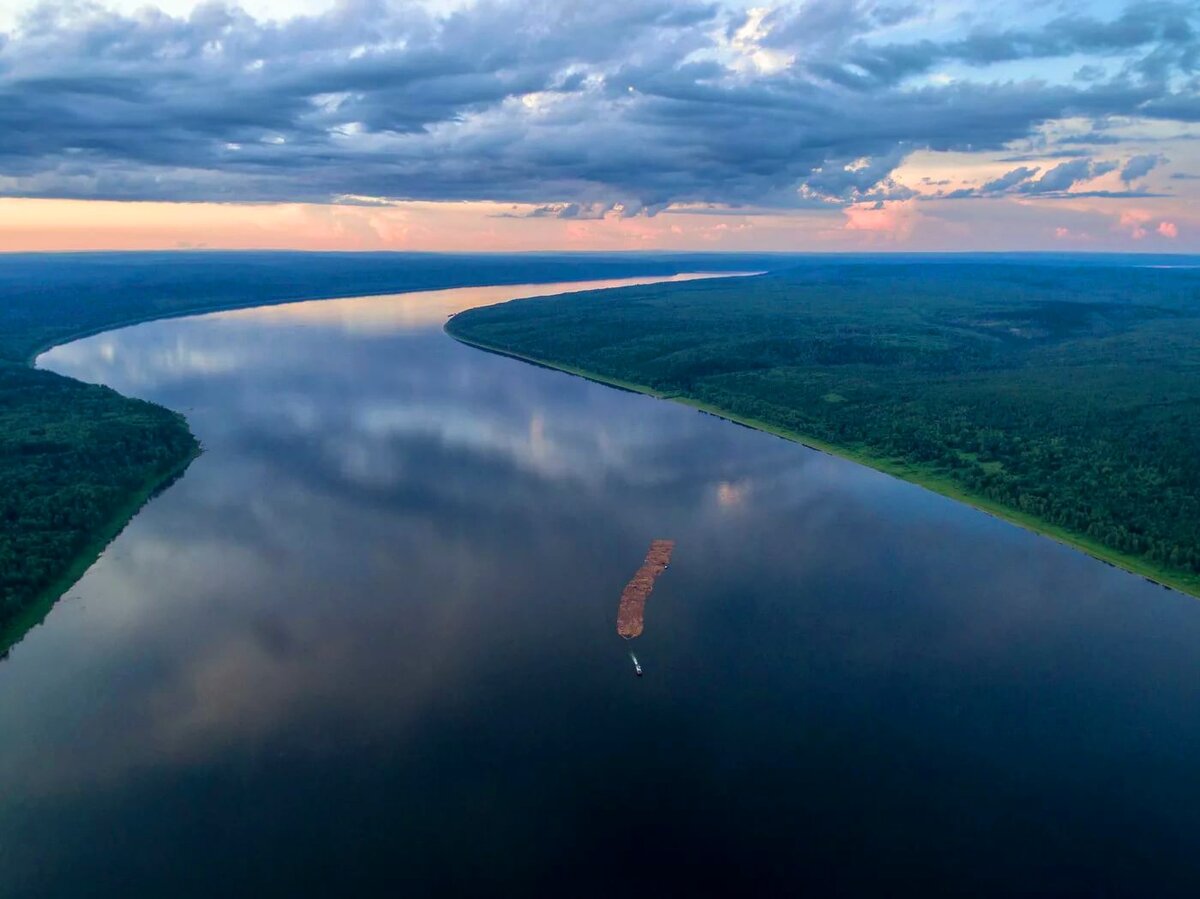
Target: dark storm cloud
1010 179
1140 166
580 107
1059 181
1066 175
1092 138
1164 31
1038 156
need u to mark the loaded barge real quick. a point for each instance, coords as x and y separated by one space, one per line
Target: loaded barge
631 612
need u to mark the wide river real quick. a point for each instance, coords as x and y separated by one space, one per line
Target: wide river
367 646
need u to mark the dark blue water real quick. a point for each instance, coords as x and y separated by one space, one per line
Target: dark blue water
366 646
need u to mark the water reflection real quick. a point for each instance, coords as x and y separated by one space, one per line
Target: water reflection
370 634
405 312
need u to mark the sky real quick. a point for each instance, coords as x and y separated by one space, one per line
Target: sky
499 125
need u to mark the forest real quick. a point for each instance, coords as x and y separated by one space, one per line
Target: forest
77 459
1065 397
72 457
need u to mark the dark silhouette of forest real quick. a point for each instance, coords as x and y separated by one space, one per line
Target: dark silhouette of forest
1065 395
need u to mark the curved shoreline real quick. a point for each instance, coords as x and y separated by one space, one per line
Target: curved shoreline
918 477
31 356
98 540
35 613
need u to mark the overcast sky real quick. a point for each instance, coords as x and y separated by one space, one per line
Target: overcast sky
511 124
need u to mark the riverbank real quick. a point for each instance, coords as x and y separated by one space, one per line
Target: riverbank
66 446
929 479
35 613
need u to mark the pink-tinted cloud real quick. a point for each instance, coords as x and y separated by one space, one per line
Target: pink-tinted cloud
941 225
888 221
1061 233
1134 222
61 225
1140 223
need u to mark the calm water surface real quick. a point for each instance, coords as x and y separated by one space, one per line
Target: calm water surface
367 646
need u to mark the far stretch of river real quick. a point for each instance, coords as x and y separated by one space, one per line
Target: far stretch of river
367 646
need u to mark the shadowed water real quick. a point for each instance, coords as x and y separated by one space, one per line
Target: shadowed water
367 646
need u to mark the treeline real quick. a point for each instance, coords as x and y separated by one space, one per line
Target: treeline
1070 395
45 298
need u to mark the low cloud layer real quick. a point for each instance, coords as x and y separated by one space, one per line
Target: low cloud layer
579 107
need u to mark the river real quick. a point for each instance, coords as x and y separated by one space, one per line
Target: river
366 645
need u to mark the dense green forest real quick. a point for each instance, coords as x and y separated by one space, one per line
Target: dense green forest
72 456
1066 397
77 459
